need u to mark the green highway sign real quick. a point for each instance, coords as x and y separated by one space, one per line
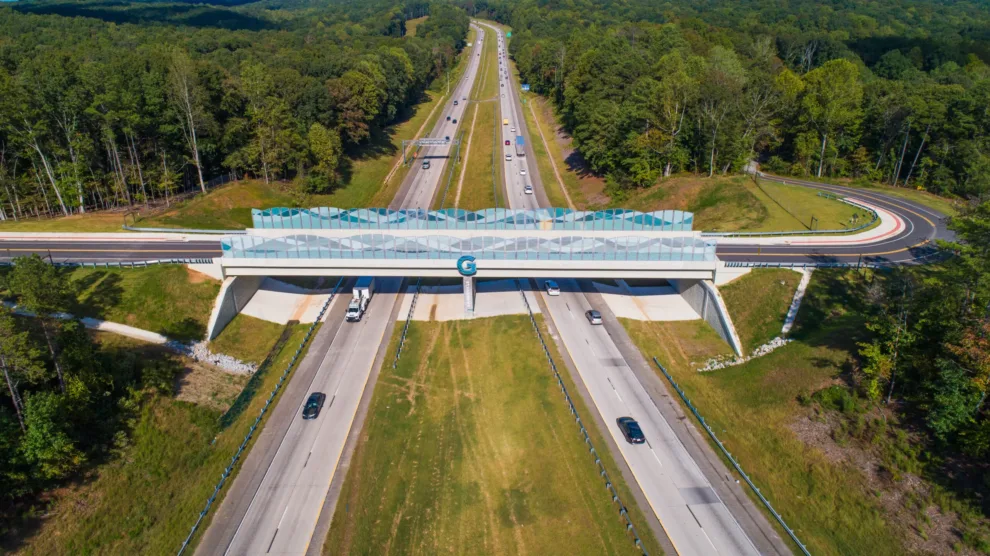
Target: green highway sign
508 34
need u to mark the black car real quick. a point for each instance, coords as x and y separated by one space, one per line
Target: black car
630 429
313 405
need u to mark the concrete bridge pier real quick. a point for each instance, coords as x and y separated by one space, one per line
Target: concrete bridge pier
469 294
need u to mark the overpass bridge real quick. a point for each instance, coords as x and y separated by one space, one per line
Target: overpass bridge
454 243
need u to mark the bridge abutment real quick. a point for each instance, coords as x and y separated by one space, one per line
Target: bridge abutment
235 292
704 298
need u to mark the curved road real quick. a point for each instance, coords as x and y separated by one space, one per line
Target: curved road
910 243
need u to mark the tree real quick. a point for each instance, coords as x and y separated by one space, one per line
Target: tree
325 148
43 290
47 443
19 359
721 84
185 96
831 102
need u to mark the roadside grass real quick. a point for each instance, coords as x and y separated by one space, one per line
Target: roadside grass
754 408
169 299
758 303
468 447
946 205
478 191
247 338
146 498
412 24
539 151
803 204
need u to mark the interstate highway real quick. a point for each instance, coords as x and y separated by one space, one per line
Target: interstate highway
279 503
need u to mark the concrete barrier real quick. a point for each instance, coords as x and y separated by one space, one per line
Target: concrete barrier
235 292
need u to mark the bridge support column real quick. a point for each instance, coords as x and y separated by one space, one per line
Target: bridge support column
469 294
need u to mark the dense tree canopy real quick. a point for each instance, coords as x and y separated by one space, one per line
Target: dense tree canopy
893 91
96 114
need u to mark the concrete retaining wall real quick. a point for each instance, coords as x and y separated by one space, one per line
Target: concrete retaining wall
235 292
704 298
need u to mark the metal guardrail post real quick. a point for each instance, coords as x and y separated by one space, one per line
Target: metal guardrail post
257 421
583 430
732 460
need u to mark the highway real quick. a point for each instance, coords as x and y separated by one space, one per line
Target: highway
910 243
276 505
693 517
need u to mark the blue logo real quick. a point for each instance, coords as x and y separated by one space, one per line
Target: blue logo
466 266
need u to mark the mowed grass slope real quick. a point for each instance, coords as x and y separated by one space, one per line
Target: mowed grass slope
758 303
168 299
469 448
755 410
145 500
481 168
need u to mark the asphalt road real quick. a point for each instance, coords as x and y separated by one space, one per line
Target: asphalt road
912 243
276 504
690 512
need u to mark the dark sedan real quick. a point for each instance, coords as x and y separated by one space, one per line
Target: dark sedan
313 405
630 429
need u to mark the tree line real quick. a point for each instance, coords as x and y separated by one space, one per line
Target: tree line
894 93
64 401
100 115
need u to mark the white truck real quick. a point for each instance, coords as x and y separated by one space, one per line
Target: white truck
364 288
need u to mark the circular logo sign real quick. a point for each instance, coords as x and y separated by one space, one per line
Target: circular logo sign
466 266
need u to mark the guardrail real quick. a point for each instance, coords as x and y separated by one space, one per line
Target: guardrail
264 409
735 464
933 256
577 419
806 232
121 264
405 328
183 230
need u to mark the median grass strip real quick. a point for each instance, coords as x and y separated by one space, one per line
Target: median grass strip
755 410
169 299
146 498
469 446
758 303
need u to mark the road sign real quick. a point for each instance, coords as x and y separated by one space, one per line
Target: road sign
508 34
525 87
432 142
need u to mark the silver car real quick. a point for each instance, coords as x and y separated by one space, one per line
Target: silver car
552 288
594 317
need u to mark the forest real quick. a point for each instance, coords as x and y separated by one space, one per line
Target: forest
893 92
110 105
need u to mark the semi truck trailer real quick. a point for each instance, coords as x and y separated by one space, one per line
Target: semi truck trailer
364 288
520 146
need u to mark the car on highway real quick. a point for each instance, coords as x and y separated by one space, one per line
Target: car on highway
508 157
507 142
455 102
454 121
446 137
528 190
552 288
313 405
593 316
630 429
448 118
426 164
513 129
522 171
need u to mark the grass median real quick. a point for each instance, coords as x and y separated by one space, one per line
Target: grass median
469 448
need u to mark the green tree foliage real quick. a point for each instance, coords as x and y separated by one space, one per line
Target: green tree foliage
112 108
325 148
647 89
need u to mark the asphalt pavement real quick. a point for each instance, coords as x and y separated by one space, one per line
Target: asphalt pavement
279 507
692 516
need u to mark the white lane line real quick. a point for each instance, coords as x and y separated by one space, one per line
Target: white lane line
613 388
